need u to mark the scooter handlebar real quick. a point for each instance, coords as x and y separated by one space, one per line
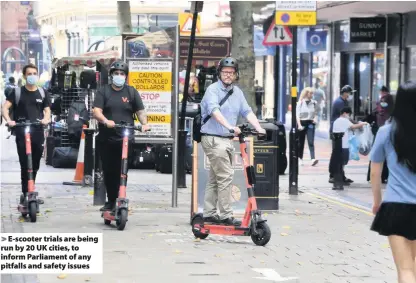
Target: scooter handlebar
129 127
25 124
246 131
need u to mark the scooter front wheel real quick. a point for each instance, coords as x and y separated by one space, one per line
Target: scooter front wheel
32 211
198 220
122 219
263 234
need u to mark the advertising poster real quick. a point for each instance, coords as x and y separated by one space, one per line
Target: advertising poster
153 81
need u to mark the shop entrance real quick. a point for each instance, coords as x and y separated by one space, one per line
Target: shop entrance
365 73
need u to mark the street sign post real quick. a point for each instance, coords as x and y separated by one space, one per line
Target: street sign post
277 35
296 13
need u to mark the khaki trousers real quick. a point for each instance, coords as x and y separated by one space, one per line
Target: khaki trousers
220 153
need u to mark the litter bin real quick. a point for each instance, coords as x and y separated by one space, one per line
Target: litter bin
266 166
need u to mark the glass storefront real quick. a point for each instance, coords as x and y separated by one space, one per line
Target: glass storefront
411 70
393 69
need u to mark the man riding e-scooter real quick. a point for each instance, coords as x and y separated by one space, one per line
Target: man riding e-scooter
217 142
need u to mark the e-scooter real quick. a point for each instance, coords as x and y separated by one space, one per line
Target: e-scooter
252 225
29 204
120 214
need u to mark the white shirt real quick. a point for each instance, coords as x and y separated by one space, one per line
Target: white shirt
342 125
306 110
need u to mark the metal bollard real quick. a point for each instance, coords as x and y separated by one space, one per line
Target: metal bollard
336 162
88 157
99 186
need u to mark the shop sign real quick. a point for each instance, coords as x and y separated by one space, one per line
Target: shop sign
206 47
368 29
153 81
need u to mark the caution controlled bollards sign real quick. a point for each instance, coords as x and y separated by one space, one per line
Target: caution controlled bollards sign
153 81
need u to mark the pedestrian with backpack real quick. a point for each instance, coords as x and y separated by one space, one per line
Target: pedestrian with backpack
224 102
31 103
115 103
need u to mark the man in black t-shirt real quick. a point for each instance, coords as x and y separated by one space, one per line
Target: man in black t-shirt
33 106
115 103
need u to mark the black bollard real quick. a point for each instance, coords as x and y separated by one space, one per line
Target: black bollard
88 157
336 162
99 186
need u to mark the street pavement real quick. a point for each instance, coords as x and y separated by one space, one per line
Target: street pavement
319 236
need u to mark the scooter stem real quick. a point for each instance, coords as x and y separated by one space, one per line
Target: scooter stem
28 145
124 167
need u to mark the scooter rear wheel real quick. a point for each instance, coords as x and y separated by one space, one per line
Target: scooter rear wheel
32 211
263 236
107 222
198 220
122 220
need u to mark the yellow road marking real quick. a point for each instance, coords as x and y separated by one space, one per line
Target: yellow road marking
341 204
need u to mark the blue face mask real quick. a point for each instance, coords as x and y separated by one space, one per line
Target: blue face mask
119 80
384 104
32 79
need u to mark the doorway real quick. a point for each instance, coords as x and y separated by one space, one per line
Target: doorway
364 72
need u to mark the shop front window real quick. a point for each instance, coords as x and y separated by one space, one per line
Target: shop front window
378 76
393 70
411 73
320 71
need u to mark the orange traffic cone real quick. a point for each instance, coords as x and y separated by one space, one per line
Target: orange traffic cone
79 170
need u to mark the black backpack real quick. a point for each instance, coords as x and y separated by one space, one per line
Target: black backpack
196 130
77 116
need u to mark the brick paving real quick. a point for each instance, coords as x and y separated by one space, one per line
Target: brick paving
314 240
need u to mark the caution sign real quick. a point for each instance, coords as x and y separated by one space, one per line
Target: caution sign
160 119
185 23
153 81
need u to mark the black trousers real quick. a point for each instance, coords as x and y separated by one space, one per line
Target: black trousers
339 158
384 174
37 142
309 133
110 154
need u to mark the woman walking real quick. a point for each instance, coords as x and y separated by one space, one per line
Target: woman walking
306 115
379 118
396 213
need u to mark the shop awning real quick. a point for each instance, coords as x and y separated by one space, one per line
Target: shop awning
89 59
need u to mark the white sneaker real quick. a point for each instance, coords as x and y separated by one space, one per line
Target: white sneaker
314 162
300 162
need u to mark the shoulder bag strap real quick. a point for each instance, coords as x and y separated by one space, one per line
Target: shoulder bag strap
221 103
17 93
42 92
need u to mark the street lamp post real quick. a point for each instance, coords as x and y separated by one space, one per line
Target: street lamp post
25 37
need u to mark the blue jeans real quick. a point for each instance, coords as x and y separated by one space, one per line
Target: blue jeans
309 133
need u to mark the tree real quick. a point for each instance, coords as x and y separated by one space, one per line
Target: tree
242 46
124 16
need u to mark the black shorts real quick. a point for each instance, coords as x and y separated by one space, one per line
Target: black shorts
395 218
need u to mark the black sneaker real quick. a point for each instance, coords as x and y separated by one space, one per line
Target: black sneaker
212 219
338 188
107 206
346 183
346 180
231 221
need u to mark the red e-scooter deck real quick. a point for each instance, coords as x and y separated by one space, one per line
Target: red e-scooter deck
120 214
252 224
